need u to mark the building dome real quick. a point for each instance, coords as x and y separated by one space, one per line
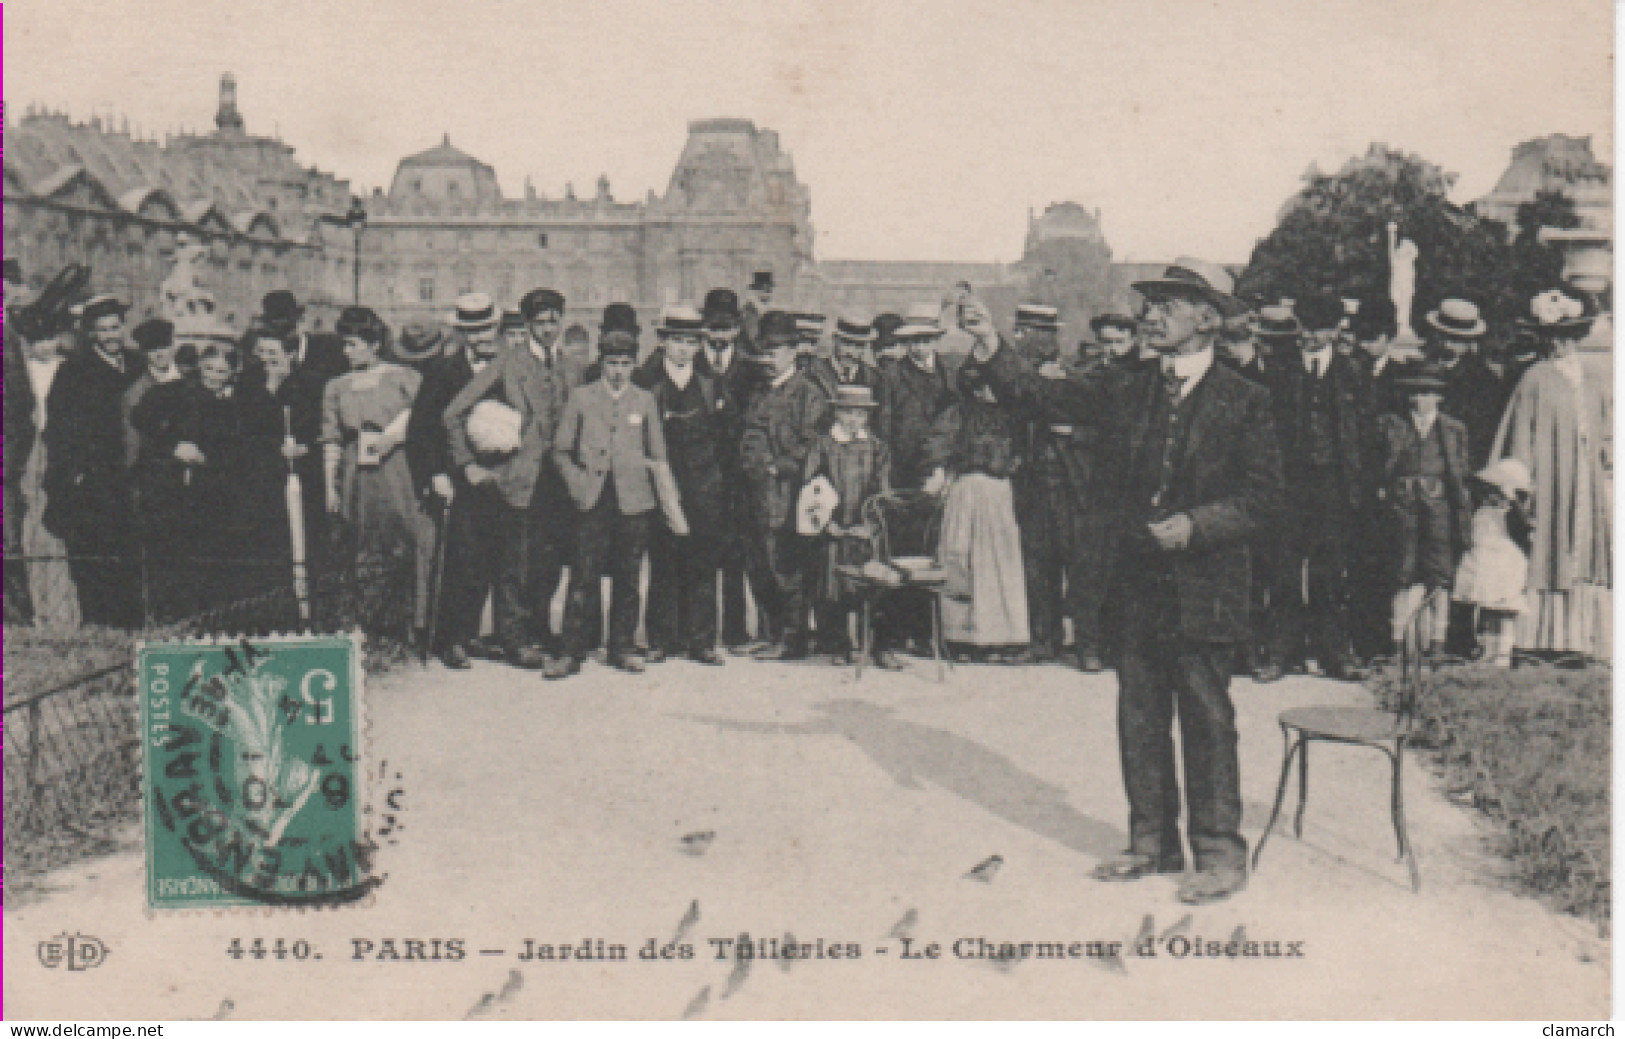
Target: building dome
444 174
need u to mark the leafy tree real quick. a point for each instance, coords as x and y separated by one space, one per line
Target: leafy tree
1333 236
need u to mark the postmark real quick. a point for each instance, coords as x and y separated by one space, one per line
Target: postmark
253 777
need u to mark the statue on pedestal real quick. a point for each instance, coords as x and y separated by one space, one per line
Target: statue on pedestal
184 294
1402 254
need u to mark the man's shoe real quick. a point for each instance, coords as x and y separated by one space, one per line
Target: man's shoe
1131 865
784 651
456 658
656 655
707 656
1211 885
531 658
631 663
561 667
886 660
1267 672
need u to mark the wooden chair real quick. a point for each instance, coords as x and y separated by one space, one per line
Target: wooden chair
902 524
1387 731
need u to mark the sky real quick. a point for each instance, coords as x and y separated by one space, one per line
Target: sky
925 130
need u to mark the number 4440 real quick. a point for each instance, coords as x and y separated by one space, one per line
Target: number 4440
279 948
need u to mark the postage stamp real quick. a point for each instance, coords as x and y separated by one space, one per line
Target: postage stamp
253 778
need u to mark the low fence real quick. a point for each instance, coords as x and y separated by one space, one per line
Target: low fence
71 728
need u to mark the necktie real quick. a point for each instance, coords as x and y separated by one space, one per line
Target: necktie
1173 384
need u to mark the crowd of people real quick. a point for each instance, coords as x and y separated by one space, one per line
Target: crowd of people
146 477
1202 488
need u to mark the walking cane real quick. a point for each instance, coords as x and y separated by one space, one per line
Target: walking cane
436 576
295 497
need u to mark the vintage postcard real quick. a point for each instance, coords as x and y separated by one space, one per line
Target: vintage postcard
818 510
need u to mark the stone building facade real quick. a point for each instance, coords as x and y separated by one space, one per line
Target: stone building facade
1563 164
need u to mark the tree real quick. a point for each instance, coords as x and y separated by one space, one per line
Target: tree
1333 236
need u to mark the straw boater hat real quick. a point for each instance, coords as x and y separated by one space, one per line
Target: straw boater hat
473 312
1038 315
923 321
511 320
100 306
810 325
854 330
1196 279
1457 319
854 396
1276 322
679 319
1509 476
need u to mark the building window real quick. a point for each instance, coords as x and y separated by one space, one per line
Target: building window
541 240
426 290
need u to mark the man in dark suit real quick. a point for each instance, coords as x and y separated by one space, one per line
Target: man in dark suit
682 606
606 443
1324 435
726 361
319 354
535 518
1200 469
1474 394
87 484
469 515
20 432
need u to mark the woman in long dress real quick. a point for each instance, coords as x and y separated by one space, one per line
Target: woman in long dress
972 449
1559 425
364 417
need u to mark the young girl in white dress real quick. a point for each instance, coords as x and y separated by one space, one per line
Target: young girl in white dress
1494 571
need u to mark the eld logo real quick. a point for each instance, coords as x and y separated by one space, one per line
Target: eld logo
75 951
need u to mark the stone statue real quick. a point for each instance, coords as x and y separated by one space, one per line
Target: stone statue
1402 254
184 294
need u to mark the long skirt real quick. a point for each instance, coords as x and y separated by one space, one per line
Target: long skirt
985 601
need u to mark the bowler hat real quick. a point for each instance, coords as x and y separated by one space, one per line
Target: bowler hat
474 312
1194 279
886 326
618 344
1457 319
762 281
1037 315
1320 312
511 319
721 308
854 330
537 300
620 317
777 328
153 334
419 342
279 307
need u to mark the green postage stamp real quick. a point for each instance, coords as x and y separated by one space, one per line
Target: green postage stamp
254 786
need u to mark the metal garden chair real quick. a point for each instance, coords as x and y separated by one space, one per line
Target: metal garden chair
1387 731
904 527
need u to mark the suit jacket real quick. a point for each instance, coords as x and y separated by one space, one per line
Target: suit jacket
428 446
86 482
1288 386
780 429
690 422
1398 450
913 399
322 355
1478 397
1227 480
601 436
20 428
733 389
538 392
